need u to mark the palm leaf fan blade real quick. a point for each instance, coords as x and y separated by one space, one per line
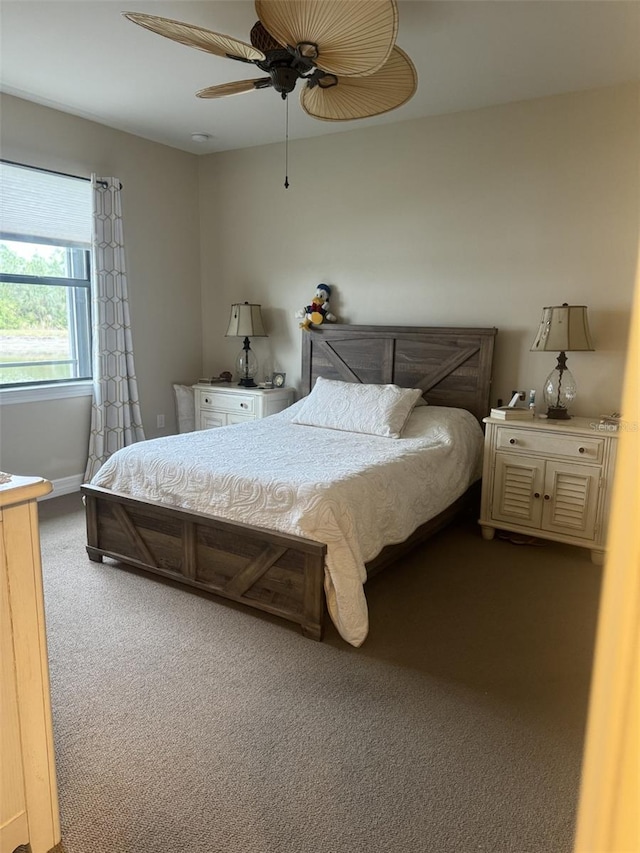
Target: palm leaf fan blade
197 37
361 97
354 37
236 88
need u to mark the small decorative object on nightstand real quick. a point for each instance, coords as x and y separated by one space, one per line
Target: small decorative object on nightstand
278 380
549 479
563 328
220 406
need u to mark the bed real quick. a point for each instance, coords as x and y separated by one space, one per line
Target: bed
296 535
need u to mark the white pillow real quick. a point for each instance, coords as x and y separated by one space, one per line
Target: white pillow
373 409
185 407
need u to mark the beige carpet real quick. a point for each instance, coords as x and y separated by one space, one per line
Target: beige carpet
186 724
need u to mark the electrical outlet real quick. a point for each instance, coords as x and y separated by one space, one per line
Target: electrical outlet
160 421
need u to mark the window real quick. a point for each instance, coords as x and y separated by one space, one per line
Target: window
45 287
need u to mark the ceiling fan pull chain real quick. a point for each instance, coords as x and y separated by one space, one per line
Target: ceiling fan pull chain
286 144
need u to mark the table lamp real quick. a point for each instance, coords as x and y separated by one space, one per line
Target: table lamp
563 328
246 322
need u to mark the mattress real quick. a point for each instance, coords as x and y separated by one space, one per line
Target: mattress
356 493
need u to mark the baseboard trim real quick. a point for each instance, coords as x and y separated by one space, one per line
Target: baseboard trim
65 486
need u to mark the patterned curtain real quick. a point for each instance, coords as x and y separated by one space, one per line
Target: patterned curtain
115 413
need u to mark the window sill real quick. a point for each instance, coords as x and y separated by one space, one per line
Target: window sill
40 393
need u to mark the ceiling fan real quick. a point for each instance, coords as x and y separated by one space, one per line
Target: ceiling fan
343 50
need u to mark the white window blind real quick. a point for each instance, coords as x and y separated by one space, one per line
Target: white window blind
37 205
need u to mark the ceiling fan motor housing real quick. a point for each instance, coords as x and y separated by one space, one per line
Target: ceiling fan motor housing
284 78
284 65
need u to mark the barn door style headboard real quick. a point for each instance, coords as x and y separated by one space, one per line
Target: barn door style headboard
452 366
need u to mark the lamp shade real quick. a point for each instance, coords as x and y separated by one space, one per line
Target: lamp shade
563 328
245 321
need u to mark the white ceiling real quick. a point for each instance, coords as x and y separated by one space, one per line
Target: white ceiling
84 58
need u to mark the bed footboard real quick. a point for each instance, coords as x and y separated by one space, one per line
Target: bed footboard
274 572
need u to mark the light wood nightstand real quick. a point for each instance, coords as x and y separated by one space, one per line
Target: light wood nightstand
218 406
551 479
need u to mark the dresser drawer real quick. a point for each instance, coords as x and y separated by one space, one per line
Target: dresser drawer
550 444
221 402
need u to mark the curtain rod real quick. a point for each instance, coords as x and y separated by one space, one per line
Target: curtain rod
40 169
52 172
105 184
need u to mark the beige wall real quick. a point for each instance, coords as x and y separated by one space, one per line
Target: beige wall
478 218
160 202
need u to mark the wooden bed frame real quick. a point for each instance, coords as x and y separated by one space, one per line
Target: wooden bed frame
275 572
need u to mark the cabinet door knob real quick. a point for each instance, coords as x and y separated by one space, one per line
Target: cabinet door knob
547 497
581 450
207 400
536 494
512 441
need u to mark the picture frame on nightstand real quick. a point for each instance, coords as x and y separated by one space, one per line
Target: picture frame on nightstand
278 379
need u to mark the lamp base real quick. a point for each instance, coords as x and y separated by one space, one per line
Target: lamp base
247 382
555 414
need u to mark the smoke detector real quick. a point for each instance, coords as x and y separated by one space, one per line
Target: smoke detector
200 137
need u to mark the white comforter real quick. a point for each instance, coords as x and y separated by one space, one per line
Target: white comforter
356 493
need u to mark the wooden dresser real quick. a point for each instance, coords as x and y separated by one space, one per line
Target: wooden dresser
28 793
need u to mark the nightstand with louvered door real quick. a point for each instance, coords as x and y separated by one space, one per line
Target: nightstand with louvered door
218 406
551 479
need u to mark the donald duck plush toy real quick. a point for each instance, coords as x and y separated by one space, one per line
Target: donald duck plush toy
318 312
